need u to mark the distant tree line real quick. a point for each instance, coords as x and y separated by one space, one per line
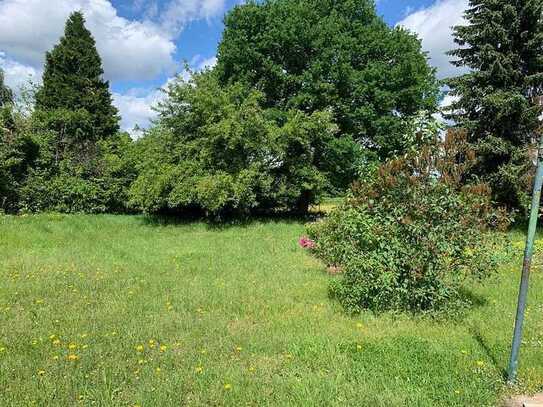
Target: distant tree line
306 96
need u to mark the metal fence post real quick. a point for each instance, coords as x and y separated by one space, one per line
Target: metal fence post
528 252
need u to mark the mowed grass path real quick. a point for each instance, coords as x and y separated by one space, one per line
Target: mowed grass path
118 311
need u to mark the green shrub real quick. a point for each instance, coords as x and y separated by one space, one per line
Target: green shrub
216 149
18 151
70 185
408 237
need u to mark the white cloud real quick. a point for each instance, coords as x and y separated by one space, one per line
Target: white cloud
136 109
130 49
16 74
434 26
180 12
136 105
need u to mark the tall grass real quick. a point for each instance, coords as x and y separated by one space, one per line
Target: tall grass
124 311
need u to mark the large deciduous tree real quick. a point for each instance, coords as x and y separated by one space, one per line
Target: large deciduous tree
74 94
502 46
315 55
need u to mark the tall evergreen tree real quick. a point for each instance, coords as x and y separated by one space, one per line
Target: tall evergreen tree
502 45
74 89
6 94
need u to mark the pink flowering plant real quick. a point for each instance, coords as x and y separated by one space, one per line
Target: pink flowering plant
306 243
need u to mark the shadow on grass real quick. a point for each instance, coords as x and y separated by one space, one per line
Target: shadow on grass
227 221
473 299
489 352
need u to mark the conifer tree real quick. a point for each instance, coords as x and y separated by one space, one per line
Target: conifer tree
502 46
74 89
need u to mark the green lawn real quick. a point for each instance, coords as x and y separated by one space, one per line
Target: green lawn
189 314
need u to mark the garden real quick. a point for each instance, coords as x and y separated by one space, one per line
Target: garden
304 223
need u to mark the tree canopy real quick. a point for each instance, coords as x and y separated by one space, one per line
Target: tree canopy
314 55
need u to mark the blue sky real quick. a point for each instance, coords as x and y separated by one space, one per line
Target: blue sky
143 43
200 37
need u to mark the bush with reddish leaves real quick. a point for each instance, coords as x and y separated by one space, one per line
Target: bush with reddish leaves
411 235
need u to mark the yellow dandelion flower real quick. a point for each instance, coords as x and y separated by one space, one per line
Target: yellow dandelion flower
480 363
72 357
163 348
239 348
41 372
358 347
141 361
158 370
2 349
199 369
251 369
72 346
227 386
151 343
140 348
55 357
56 342
359 325
52 336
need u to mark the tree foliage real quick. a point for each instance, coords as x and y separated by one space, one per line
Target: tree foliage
69 188
216 149
74 96
502 46
408 237
314 55
18 152
6 94
66 154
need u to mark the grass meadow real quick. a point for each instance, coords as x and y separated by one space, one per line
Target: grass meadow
128 311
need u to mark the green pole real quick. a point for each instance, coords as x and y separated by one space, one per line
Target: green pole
528 252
